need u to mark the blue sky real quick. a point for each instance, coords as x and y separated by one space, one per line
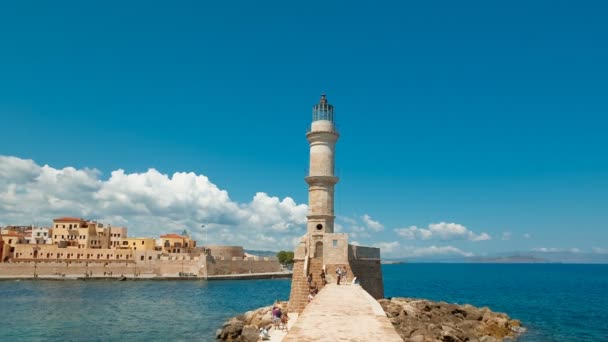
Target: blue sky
490 116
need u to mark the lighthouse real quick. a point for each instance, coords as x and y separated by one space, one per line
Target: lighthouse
322 137
321 249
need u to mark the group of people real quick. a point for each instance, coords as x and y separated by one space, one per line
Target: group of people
279 318
341 274
279 322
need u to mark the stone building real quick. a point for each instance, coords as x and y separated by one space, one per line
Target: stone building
10 239
39 236
175 243
138 244
321 248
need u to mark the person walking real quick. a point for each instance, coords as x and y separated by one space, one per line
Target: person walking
338 275
323 280
309 279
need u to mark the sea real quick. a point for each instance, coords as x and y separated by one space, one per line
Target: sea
555 302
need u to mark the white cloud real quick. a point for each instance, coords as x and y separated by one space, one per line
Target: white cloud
506 236
148 203
441 231
599 250
394 249
556 250
388 247
527 236
411 251
372 224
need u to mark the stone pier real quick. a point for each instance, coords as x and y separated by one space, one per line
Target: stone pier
343 313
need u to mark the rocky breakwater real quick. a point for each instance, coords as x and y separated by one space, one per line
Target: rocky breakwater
416 320
246 327
419 320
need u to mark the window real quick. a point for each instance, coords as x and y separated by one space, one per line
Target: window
142 242
149 258
141 258
319 226
335 242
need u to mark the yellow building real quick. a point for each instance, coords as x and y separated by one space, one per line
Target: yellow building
80 233
10 239
138 244
174 243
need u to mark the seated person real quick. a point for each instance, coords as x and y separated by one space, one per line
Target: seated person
264 335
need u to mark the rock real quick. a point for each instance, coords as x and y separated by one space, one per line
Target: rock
417 338
422 320
250 333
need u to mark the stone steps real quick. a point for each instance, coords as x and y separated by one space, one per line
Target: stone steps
298 298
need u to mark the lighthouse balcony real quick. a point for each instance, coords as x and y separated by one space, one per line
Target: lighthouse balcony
324 180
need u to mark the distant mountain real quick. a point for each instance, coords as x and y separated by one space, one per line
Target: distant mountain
565 257
261 253
512 259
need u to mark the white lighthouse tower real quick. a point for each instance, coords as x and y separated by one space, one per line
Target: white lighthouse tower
321 179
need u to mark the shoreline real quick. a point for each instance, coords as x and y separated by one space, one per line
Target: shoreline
240 276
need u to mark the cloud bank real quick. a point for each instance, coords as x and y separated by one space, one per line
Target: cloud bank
441 231
148 203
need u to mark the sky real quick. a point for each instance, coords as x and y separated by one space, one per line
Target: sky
467 128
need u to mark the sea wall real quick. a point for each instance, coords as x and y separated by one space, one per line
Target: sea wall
72 269
173 265
217 266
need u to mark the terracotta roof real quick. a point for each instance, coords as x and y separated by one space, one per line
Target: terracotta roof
175 236
67 219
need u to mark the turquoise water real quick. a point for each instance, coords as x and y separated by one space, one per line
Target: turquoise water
556 302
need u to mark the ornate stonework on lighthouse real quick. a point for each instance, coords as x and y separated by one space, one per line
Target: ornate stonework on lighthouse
321 248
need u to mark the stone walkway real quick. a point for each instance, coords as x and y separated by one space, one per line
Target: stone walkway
343 313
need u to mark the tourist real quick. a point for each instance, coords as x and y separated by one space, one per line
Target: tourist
284 320
275 321
264 335
344 272
323 280
338 274
279 313
313 288
309 279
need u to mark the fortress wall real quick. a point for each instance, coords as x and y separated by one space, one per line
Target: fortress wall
227 252
369 274
72 269
365 264
362 252
299 288
172 268
220 267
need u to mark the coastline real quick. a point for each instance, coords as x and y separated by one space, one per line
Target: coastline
130 277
